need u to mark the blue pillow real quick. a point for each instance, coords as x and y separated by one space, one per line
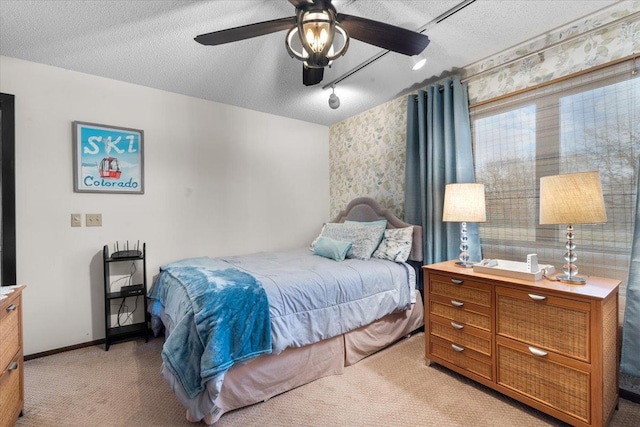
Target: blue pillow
330 248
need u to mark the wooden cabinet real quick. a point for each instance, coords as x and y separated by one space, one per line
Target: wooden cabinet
548 344
11 368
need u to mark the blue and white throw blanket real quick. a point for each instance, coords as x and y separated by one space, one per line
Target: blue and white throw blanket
227 320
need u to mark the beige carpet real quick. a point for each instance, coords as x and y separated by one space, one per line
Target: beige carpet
123 387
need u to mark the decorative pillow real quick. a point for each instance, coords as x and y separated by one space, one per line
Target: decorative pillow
378 223
382 222
330 248
364 238
396 244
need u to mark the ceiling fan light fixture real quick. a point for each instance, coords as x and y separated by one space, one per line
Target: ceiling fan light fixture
318 30
315 31
345 43
313 36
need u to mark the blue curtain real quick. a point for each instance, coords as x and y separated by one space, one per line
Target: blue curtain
439 152
630 362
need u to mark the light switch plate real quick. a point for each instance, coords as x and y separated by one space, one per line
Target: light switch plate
76 220
93 220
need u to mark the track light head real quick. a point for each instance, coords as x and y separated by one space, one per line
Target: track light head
418 62
334 101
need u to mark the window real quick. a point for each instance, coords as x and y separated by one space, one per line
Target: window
584 123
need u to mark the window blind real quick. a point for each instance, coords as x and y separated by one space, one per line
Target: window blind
590 122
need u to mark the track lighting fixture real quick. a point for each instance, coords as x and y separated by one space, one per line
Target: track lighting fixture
418 61
334 101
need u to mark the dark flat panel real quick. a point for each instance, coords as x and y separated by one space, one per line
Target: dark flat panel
7 172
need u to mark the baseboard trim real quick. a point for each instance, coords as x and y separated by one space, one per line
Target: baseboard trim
76 347
629 395
629 387
63 349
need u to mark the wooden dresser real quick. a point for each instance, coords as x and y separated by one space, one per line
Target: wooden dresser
11 373
548 344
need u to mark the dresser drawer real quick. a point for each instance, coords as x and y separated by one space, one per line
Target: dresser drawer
458 355
465 314
460 289
558 382
552 323
11 391
463 335
9 330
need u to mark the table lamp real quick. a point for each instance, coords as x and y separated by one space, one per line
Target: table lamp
574 198
464 202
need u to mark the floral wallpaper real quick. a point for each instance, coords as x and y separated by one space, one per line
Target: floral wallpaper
609 35
367 156
367 152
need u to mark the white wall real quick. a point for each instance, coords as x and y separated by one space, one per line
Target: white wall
217 181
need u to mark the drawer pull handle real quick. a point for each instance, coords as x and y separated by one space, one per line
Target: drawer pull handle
13 366
457 281
537 297
456 303
457 325
457 347
537 352
12 307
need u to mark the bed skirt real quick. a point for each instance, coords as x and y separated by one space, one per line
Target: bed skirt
269 375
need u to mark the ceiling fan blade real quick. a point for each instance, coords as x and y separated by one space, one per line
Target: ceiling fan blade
384 35
246 31
298 3
312 76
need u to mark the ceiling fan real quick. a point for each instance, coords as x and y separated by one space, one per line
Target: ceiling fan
316 25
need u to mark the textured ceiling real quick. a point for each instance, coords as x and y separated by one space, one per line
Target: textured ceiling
150 43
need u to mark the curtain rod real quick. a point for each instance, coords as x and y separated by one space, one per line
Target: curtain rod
440 89
546 48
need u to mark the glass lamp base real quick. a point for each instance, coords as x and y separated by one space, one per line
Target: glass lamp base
574 280
468 264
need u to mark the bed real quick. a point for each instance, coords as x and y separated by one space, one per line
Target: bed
290 317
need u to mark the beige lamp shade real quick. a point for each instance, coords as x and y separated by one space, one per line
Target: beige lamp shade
464 202
574 198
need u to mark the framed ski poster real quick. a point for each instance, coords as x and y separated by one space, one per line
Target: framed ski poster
107 159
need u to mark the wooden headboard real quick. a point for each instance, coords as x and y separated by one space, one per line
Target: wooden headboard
366 209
